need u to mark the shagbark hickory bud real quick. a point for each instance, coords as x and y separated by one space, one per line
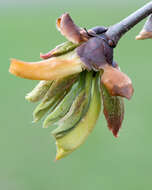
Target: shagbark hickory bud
69 93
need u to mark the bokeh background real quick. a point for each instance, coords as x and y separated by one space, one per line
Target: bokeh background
27 151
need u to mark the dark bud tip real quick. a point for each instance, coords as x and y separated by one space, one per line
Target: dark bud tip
99 29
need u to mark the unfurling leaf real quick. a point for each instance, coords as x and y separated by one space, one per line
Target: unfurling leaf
113 110
60 50
78 108
75 137
54 96
63 107
39 91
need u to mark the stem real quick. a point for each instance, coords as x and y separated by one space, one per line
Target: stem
116 31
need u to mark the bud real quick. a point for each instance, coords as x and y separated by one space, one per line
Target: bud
146 32
86 60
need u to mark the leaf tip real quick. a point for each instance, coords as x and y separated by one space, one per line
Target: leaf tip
45 125
114 130
12 65
60 153
115 133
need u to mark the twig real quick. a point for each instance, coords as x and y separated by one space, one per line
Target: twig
116 31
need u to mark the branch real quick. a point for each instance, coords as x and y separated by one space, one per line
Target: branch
116 31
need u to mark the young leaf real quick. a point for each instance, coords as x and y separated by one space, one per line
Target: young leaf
113 110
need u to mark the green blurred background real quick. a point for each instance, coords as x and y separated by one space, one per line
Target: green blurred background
27 151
